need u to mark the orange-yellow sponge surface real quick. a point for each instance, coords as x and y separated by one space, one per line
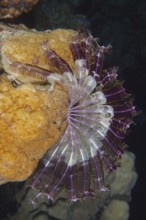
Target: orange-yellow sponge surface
26 47
31 121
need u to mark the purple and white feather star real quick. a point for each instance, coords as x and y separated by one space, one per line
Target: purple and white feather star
98 117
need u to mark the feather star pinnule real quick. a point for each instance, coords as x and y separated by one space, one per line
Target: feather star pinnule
99 114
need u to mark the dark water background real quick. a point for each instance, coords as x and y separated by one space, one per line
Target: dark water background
122 23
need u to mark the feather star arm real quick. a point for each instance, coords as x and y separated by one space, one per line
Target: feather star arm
99 114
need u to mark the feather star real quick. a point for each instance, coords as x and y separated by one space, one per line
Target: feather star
99 114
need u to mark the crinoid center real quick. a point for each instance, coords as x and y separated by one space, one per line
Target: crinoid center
31 121
89 116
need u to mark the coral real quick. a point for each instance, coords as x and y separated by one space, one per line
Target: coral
97 208
111 212
13 8
31 120
125 175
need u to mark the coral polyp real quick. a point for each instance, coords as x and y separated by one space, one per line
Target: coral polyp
14 8
99 114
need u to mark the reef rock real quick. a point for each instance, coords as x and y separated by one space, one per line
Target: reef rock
31 120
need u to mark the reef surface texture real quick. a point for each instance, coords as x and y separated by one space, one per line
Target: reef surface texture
31 117
31 121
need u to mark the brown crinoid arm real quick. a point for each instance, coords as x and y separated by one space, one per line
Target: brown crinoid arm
30 56
14 8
